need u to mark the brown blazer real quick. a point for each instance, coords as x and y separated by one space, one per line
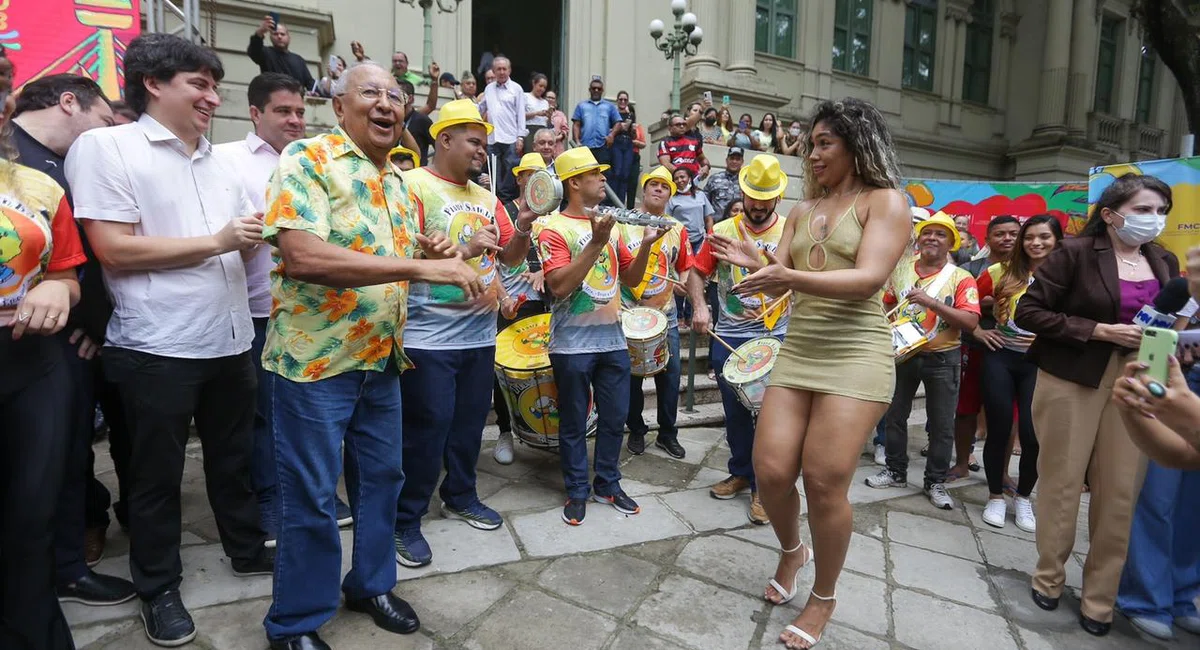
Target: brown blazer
1073 290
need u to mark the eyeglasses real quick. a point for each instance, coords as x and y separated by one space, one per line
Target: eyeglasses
675 124
373 94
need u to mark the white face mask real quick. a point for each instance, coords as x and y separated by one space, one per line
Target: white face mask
1140 229
795 131
683 189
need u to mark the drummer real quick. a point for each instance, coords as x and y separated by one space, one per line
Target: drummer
582 259
524 279
452 341
741 318
670 258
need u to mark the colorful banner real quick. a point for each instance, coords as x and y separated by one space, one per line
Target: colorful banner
1183 175
84 37
983 200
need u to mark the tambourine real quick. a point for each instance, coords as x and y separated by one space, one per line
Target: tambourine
543 192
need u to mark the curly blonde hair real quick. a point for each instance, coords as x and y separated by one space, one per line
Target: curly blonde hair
867 138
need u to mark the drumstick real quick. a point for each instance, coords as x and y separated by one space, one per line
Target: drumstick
895 309
663 277
769 308
727 346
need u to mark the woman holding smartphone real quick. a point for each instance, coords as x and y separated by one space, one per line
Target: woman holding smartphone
744 137
1081 307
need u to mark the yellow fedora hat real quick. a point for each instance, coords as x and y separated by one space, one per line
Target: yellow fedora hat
762 179
574 162
459 111
944 220
659 173
529 162
396 151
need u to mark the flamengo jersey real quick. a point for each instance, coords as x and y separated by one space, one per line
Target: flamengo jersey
741 315
671 256
588 320
439 317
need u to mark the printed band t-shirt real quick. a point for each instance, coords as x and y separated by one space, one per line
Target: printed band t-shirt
960 292
741 316
670 257
439 316
37 233
1015 338
513 277
588 320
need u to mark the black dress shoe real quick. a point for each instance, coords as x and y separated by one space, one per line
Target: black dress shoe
1094 628
636 443
671 446
1045 602
167 621
308 641
389 612
97 589
263 565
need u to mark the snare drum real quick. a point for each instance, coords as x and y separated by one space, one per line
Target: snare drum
907 338
748 378
646 333
527 382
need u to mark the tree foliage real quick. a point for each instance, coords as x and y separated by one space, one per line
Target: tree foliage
1172 28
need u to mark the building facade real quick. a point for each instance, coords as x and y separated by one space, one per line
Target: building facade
990 89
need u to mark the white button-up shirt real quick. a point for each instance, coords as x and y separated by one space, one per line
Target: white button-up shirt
253 161
142 174
505 107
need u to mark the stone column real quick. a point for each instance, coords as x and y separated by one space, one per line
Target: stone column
711 16
998 93
1080 91
954 44
741 36
1056 59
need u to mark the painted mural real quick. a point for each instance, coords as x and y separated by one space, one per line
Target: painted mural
986 199
1183 175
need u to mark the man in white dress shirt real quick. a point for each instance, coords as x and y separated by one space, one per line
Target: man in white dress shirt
504 106
173 229
277 112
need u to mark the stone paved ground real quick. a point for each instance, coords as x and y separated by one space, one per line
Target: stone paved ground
686 573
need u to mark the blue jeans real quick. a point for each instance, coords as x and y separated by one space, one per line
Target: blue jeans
447 398
739 420
941 372
622 163
262 463
667 385
1162 570
311 422
606 376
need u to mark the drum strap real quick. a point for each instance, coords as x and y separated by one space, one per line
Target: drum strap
935 287
651 267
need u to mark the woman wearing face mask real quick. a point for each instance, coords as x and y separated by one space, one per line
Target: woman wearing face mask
744 135
1081 307
558 122
710 130
791 143
769 134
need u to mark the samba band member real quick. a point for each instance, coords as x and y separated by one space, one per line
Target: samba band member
450 337
523 280
670 260
582 259
742 318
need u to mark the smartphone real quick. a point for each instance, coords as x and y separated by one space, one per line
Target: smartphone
1158 345
708 96
274 18
724 100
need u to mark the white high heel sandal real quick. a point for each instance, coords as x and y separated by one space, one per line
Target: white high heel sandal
805 636
789 595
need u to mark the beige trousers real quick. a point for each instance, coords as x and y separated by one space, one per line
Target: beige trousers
1077 428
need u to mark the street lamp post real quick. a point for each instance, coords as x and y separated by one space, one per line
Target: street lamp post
444 6
682 40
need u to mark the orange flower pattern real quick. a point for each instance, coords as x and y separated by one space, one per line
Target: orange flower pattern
327 187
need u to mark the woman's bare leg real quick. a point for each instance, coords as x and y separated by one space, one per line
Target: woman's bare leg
778 439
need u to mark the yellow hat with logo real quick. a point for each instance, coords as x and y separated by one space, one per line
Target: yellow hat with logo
574 162
762 179
459 111
659 173
401 151
529 162
942 219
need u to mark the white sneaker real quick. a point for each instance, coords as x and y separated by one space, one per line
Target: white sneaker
939 497
886 479
503 452
995 512
880 456
1026 520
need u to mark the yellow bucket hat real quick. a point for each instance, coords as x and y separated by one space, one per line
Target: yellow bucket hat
574 162
762 179
942 219
396 151
659 173
459 111
529 162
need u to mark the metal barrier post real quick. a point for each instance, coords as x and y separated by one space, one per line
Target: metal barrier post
691 387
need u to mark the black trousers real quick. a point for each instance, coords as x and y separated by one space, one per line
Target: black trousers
34 428
506 159
1009 377
162 395
108 396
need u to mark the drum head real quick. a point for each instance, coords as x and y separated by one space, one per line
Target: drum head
524 344
642 323
543 192
759 357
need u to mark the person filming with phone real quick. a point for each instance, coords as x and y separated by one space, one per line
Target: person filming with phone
1081 306
277 58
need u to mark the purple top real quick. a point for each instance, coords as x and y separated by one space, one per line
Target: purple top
1134 296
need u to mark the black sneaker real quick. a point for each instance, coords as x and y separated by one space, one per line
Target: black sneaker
574 511
671 446
97 589
620 501
342 512
263 565
636 444
167 621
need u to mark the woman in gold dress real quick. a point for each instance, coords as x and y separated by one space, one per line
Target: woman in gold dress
835 373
